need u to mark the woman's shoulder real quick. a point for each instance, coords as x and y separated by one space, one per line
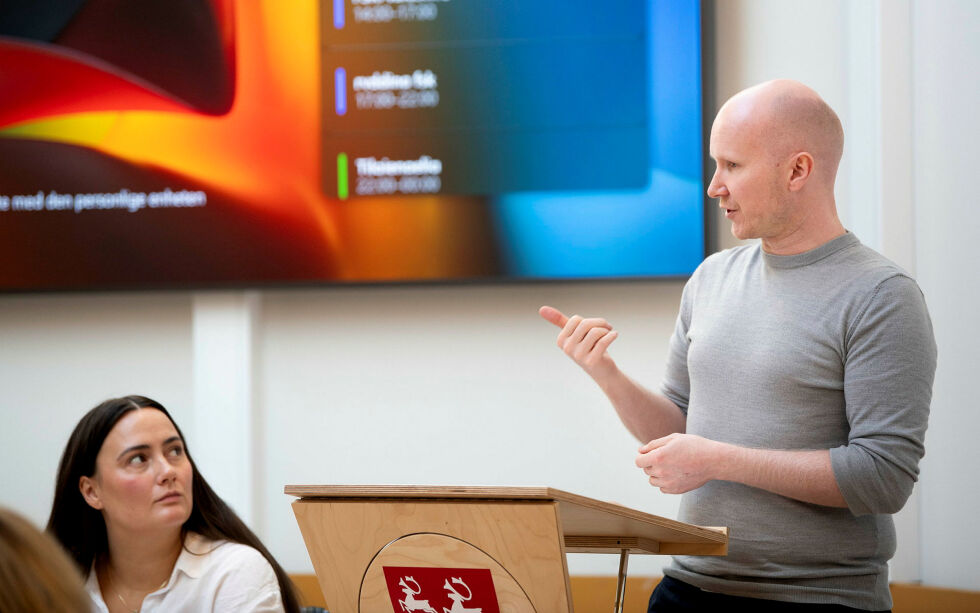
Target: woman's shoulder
220 575
225 557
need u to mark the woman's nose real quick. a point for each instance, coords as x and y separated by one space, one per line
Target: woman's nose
166 470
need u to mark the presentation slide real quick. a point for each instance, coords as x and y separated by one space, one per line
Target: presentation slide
215 143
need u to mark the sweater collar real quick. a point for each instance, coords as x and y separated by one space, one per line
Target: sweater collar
813 255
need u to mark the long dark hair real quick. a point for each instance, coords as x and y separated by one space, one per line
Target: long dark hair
81 529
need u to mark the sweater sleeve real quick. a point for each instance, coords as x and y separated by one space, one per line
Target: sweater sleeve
890 362
676 385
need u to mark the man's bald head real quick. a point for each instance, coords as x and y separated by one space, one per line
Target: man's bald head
785 117
777 148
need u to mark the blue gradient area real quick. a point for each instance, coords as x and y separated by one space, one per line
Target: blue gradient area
656 231
675 87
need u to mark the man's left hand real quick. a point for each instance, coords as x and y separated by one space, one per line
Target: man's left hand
679 463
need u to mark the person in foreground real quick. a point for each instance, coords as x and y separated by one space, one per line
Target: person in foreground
136 515
798 381
36 576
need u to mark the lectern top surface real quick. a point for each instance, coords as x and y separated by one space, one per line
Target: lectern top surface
426 491
579 514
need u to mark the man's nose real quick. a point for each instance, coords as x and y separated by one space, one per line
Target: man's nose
716 189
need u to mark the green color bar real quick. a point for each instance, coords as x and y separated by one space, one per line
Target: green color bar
342 191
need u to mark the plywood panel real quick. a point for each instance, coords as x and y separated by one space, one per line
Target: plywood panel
344 535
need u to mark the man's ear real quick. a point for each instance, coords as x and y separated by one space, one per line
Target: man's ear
90 492
801 167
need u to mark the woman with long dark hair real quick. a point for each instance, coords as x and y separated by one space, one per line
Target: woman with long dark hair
136 515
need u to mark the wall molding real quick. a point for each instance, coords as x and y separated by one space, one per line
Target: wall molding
598 593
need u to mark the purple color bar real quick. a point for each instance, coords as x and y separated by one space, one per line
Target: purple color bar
340 90
338 14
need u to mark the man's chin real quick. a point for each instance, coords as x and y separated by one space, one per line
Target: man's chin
742 233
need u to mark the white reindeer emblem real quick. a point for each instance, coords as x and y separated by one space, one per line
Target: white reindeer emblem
409 604
458 599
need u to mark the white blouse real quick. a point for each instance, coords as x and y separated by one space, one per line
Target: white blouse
210 576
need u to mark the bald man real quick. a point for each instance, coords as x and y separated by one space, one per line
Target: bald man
798 380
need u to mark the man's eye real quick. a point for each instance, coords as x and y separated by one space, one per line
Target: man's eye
732 164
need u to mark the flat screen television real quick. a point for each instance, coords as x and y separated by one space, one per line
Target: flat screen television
223 143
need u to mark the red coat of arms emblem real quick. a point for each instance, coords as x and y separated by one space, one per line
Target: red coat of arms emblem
441 590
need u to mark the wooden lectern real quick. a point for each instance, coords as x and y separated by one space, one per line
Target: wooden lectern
401 549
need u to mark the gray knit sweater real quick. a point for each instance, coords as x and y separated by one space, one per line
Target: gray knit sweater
828 349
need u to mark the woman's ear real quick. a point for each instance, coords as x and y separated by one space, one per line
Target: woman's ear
90 492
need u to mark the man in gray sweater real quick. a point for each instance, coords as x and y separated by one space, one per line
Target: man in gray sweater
798 381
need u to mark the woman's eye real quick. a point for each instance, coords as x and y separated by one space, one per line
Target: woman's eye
137 460
176 451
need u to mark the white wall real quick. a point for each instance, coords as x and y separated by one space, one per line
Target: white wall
61 355
454 385
464 384
451 386
947 129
